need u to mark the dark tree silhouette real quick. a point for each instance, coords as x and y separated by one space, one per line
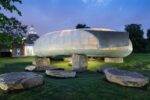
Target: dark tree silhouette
12 32
148 34
8 5
82 26
148 41
31 38
136 36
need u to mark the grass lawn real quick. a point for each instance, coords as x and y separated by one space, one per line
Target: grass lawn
87 86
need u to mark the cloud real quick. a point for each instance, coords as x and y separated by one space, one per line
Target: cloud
84 1
100 2
120 8
97 1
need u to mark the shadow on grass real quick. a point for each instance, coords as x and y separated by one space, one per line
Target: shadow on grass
14 67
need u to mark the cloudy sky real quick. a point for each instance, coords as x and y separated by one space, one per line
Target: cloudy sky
53 15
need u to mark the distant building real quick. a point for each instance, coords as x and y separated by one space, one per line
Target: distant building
27 48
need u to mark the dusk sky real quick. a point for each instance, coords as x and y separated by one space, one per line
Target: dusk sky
54 15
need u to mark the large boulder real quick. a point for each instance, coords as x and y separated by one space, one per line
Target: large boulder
60 73
40 69
19 80
126 78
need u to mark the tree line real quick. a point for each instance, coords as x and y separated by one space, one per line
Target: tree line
136 34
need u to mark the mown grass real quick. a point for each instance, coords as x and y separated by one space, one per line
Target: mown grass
89 85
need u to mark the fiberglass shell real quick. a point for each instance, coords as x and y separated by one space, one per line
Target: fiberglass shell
84 41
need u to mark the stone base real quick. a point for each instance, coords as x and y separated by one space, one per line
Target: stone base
70 63
113 60
41 62
79 62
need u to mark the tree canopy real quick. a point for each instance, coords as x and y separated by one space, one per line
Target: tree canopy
136 35
82 26
12 31
9 5
148 34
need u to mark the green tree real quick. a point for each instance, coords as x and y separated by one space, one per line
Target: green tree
82 26
148 41
12 32
8 5
148 34
136 36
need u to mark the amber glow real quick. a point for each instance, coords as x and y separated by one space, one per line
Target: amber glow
106 49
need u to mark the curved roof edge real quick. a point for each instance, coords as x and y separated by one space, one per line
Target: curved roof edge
84 29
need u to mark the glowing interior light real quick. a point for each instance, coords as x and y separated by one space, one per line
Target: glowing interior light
93 41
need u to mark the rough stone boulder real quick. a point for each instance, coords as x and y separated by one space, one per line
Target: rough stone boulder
19 80
60 73
126 78
102 69
30 68
41 62
36 68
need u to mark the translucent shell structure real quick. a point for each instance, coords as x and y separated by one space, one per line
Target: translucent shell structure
91 42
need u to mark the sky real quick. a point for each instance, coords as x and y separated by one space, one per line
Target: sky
55 15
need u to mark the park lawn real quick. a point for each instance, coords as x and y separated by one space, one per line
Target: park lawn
89 85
